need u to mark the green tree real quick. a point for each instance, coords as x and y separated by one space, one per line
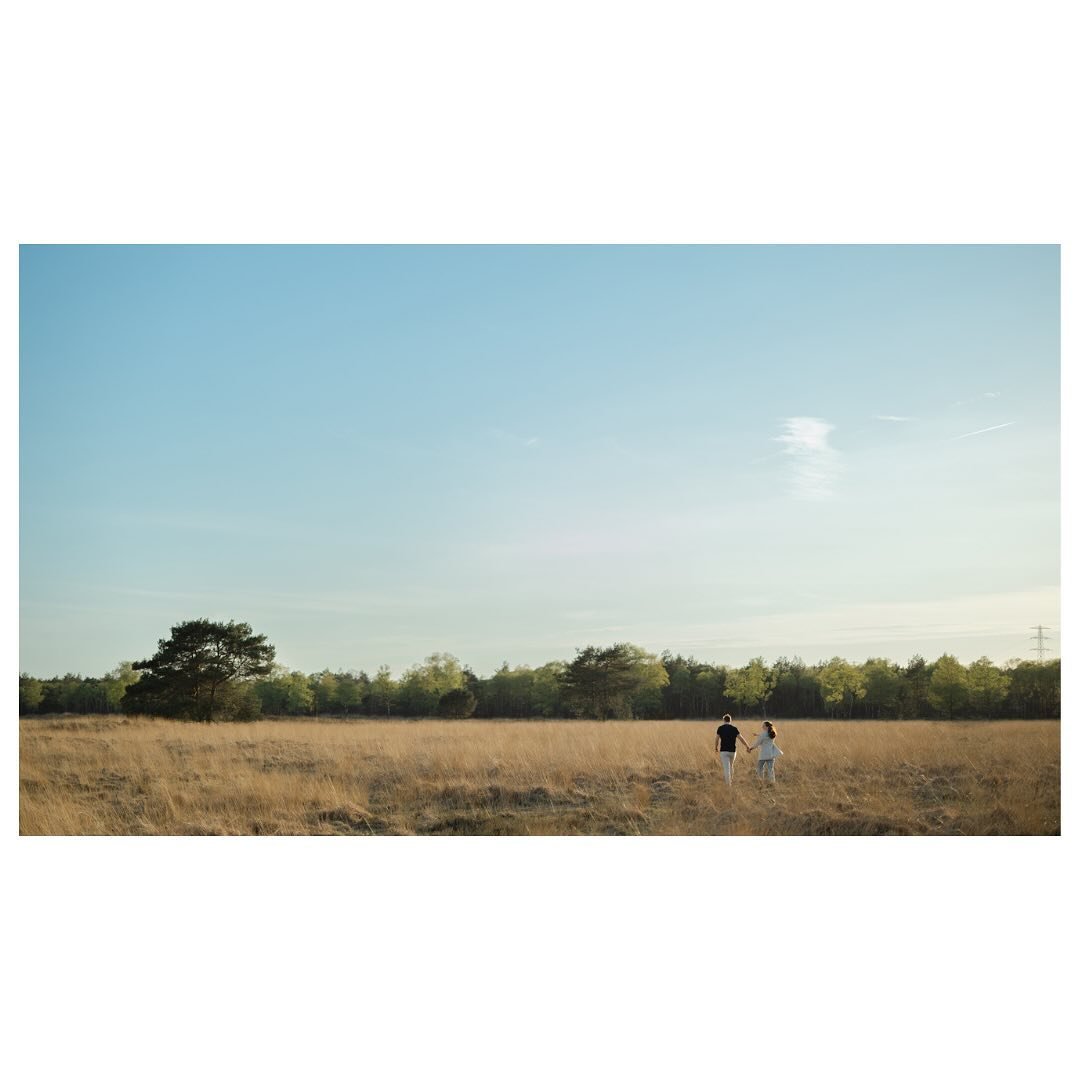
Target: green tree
841 684
547 688
324 686
988 686
383 691
59 693
915 688
498 691
88 696
30 694
1035 689
238 700
796 689
193 665
424 684
470 681
285 693
681 684
298 697
646 698
116 683
457 704
751 686
883 681
351 690
603 683
709 685
510 691
949 686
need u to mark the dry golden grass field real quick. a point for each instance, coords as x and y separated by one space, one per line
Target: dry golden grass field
143 776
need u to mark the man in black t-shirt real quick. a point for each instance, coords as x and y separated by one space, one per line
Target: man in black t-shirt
727 739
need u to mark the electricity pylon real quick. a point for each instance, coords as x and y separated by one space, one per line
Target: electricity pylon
1040 640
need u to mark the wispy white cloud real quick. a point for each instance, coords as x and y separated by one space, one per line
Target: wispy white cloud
815 463
895 419
981 431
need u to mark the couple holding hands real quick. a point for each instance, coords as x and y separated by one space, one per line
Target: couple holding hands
727 737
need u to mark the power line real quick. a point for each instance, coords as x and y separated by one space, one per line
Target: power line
1040 640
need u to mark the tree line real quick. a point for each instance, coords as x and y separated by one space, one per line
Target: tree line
208 670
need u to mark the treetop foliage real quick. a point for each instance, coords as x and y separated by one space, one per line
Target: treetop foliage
193 666
603 683
210 670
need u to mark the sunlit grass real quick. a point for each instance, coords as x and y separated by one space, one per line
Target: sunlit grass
95 775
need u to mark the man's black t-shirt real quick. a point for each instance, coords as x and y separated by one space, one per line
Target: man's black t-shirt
728 734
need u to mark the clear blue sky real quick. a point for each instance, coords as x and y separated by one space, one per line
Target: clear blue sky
373 453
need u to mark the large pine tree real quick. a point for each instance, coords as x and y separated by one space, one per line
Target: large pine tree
191 667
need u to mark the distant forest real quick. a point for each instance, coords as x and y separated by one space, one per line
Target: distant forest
619 681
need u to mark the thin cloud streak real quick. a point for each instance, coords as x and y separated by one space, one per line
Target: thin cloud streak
982 431
814 463
895 419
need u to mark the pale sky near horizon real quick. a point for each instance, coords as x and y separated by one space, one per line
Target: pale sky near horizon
374 453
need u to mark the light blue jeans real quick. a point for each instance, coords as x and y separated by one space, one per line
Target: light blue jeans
727 760
765 768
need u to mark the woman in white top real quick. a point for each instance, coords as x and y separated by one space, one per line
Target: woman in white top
767 751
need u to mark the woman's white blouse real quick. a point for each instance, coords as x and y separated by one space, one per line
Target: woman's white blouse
766 747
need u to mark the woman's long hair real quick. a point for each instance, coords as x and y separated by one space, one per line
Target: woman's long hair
770 729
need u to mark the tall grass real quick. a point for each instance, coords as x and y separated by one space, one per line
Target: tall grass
93 775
